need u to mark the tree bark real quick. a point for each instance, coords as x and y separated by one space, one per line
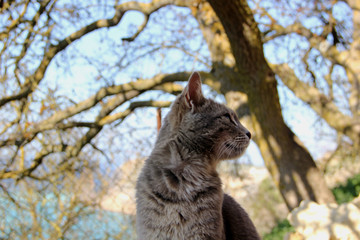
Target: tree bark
290 164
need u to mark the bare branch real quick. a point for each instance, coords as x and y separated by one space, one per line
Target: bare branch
73 151
318 102
133 105
122 94
170 88
277 31
139 30
9 196
15 22
32 81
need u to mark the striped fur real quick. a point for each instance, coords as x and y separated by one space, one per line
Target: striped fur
178 193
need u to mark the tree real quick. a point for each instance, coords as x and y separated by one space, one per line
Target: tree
331 47
291 166
320 68
52 131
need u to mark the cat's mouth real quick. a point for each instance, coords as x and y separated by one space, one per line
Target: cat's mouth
237 145
232 149
232 146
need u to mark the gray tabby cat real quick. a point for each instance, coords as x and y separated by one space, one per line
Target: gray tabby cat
179 193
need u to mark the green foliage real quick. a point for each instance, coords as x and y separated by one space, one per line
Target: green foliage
278 232
345 193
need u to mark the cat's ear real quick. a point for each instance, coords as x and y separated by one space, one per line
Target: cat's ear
192 92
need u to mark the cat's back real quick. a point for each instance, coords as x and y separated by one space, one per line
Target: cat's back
237 223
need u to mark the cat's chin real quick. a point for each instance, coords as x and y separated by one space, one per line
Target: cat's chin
231 157
232 150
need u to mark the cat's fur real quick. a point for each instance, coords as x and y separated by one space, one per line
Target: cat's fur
179 193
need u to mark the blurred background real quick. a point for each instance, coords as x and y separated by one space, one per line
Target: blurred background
84 83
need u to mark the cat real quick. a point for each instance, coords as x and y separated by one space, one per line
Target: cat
178 192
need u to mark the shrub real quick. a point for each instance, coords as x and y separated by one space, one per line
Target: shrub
346 193
278 232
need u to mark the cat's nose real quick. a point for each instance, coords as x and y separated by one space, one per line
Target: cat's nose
248 134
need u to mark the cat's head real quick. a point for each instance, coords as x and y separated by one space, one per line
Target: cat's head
204 126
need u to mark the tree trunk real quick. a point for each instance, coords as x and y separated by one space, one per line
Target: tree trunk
291 166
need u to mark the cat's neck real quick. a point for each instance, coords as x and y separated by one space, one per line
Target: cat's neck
185 173
172 153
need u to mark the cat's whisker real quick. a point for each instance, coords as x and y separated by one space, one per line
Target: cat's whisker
242 138
231 148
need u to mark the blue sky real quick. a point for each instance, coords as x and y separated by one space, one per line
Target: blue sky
77 80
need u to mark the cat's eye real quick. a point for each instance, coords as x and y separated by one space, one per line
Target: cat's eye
228 116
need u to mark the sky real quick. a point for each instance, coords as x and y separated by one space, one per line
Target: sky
313 132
